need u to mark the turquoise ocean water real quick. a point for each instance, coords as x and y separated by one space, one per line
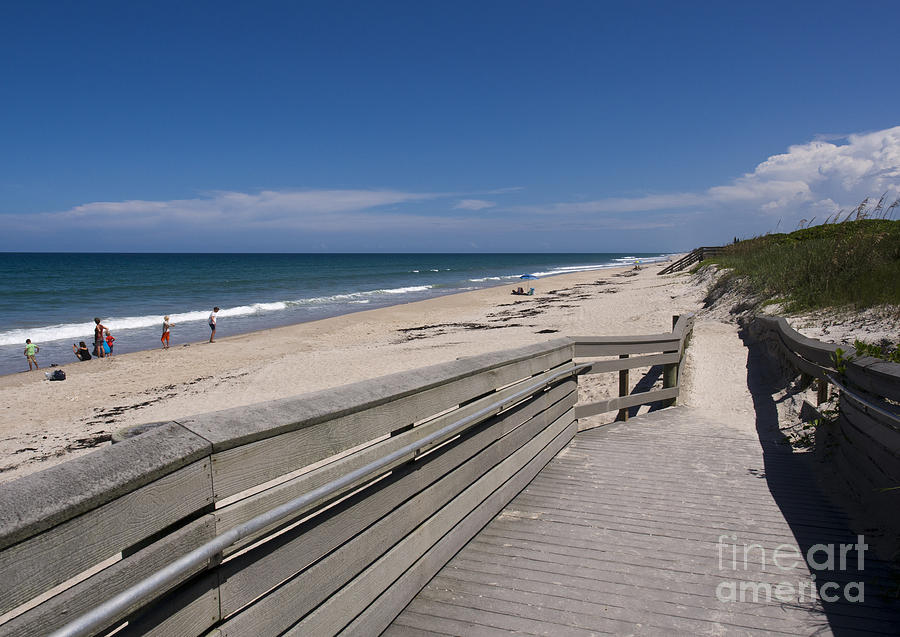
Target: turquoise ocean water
52 298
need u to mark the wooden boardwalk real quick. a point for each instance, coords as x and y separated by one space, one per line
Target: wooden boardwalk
641 528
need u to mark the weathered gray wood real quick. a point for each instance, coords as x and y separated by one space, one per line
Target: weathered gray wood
186 612
875 376
600 367
42 500
694 256
643 398
670 376
812 350
232 515
75 601
880 444
623 388
798 363
264 568
595 538
401 568
607 346
43 561
283 606
240 426
249 465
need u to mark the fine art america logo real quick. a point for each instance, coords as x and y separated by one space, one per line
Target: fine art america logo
743 560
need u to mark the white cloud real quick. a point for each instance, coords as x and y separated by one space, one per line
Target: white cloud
815 175
473 204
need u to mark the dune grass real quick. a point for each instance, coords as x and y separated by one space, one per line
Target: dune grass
854 263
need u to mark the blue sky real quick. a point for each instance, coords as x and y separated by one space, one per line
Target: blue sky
439 126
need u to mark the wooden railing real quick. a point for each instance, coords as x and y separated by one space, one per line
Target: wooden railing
310 515
657 349
863 444
692 257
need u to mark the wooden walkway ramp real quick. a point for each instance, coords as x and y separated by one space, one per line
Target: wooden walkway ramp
660 526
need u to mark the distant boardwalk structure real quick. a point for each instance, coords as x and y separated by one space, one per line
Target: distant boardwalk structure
694 256
374 507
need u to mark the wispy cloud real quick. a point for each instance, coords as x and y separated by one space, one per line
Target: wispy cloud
295 209
473 204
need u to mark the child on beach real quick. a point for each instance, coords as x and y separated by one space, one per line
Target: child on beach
30 350
109 343
212 325
165 335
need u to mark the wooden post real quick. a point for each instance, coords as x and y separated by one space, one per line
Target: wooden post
822 394
670 371
623 389
805 381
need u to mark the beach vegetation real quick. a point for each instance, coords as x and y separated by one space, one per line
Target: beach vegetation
886 352
851 260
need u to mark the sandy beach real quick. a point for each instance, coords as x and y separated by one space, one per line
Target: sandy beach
43 422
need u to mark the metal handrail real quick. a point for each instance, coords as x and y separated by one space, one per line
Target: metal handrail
106 612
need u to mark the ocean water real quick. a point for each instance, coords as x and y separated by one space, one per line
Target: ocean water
52 298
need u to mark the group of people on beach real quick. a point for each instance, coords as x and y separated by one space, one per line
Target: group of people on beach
103 341
103 344
167 324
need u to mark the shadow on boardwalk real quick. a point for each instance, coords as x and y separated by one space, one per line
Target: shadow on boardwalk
630 530
859 592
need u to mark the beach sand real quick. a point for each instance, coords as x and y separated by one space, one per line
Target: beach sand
43 423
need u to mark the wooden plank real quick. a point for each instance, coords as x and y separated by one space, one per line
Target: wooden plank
623 388
797 362
186 612
249 465
239 512
879 444
616 365
875 376
283 606
643 398
874 409
43 561
242 425
812 350
249 575
435 545
586 347
42 500
76 601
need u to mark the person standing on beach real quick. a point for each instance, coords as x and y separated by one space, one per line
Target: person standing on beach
165 335
30 350
212 325
109 343
99 331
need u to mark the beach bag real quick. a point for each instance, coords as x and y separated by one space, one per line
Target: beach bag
56 374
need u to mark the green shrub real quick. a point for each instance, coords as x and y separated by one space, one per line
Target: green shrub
853 263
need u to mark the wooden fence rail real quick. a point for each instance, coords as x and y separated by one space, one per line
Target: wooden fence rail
318 514
863 444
